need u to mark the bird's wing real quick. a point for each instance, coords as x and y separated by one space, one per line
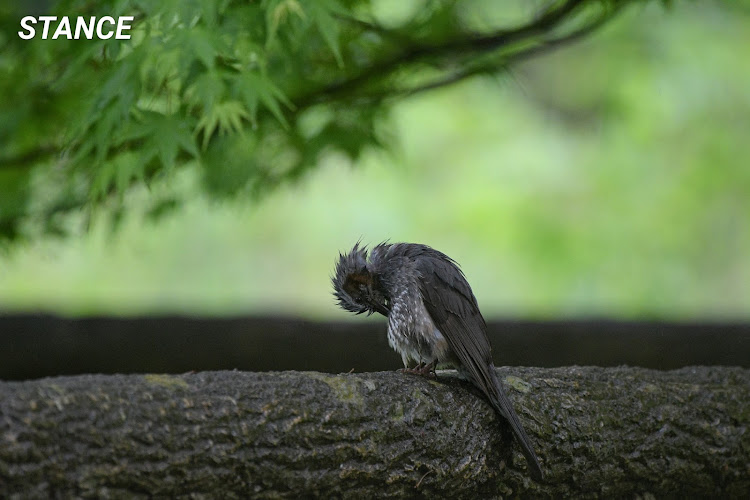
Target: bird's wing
453 308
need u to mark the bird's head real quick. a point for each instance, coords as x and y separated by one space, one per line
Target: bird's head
356 288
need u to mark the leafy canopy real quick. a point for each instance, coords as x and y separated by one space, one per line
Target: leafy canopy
250 92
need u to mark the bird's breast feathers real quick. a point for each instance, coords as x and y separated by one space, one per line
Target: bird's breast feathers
412 333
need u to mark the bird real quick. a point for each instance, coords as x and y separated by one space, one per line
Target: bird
433 317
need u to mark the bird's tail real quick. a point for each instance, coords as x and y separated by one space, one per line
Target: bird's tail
502 405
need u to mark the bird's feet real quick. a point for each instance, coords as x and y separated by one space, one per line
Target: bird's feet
423 369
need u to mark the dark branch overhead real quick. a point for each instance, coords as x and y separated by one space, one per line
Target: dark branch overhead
465 48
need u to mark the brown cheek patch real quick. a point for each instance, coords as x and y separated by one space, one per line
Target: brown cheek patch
354 280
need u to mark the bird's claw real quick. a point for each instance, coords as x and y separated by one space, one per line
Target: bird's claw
423 369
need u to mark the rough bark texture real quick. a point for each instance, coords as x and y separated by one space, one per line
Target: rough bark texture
617 432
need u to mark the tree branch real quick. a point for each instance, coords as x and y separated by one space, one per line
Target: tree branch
618 432
543 23
543 47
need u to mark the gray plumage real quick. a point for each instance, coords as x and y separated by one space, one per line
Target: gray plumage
432 314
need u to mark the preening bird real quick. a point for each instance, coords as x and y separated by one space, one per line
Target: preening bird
433 317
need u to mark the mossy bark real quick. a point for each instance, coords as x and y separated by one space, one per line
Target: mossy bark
617 432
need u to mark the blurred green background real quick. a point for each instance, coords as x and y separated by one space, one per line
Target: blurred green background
609 178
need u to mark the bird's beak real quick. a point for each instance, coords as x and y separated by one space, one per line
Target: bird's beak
380 308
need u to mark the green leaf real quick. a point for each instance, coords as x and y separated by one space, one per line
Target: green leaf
104 178
255 88
194 44
201 44
225 117
321 13
127 166
207 89
109 111
277 13
164 136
